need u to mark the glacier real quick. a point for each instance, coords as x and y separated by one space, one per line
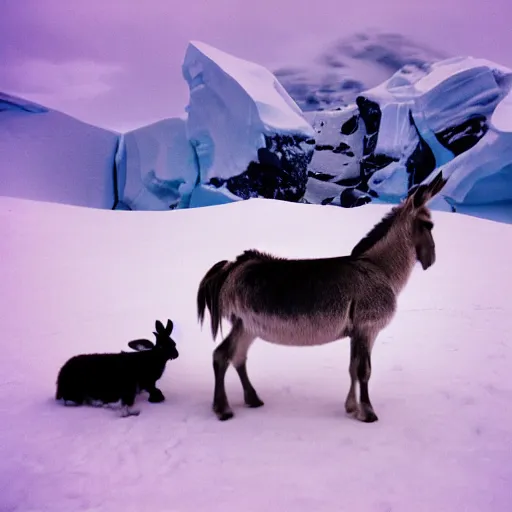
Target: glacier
243 136
49 156
158 167
250 137
413 124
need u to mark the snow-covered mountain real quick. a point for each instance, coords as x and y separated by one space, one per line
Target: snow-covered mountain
351 65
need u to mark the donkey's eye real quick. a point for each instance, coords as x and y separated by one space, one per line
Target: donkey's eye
427 224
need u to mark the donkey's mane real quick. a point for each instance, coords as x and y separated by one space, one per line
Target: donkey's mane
378 232
254 254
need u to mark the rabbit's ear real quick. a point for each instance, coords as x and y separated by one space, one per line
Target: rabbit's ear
140 345
169 327
159 326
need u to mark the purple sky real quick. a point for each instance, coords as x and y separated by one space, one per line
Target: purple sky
117 64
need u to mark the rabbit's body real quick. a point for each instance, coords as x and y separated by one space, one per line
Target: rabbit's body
114 377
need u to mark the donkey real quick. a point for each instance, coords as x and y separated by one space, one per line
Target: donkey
308 302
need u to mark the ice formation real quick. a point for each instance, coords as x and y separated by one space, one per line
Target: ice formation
49 156
244 137
159 169
250 137
414 123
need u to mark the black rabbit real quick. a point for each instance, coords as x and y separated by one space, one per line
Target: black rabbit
108 378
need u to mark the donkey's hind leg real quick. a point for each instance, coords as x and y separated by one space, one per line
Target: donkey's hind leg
232 350
239 361
221 358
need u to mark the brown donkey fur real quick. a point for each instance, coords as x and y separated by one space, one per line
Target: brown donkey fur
306 302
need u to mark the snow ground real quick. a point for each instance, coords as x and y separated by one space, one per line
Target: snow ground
78 280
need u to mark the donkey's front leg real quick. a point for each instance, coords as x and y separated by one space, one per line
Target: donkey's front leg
361 366
351 401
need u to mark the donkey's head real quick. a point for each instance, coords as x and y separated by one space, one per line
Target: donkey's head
406 225
415 211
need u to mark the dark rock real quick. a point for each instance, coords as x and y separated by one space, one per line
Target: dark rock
371 163
369 143
340 148
349 182
268 159
343 148
327 200
280 172
322 176
370 114
421 161
349 127
464 136
351 198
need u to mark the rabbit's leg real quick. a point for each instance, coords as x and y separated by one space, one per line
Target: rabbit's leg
155 395
127 401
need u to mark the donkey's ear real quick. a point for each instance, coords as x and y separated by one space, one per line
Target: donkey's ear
141 345
437 184
169 327
419 196
159 326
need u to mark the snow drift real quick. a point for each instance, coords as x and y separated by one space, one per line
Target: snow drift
50 156
440 372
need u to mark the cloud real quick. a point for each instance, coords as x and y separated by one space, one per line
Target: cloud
73 80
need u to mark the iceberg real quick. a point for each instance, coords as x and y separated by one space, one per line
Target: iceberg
453 114
158 168
250 137
49 156
244 137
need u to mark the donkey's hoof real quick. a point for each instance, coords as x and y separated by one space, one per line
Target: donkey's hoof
351 407
367 416
254 401
224 415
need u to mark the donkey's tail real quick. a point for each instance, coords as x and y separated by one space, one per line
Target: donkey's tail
209 292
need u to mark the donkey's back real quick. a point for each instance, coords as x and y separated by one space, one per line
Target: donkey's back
296 301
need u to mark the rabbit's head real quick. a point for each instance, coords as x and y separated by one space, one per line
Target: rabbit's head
164 345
